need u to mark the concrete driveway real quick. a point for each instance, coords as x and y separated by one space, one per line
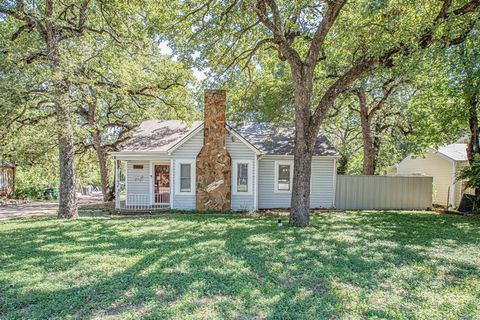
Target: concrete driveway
39 208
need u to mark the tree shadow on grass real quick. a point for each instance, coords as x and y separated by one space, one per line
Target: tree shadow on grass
224 266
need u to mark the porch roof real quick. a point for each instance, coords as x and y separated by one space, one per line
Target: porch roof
159 135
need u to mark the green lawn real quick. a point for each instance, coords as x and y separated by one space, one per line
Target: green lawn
346 265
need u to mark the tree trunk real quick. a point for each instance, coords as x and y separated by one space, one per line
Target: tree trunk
472 147
299 214
304 141
368 149
67 207
102 160
377 144
67 200
100 150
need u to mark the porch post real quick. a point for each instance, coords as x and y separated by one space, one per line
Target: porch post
117 184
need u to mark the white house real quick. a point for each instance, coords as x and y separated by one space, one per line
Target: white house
443 165
216 165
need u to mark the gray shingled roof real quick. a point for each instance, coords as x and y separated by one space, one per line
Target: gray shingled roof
161 135
273 140
455 151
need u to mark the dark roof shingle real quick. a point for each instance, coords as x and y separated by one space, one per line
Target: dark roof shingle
161 135
279 140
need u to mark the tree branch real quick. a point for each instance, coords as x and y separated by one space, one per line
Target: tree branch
331 15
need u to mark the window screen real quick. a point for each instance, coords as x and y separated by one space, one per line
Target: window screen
185 177
242 177
284 177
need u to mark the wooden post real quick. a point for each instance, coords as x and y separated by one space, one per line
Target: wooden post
13 179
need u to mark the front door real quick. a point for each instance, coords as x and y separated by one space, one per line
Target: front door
161 184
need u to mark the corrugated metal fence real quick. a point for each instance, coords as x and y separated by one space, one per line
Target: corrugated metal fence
383 192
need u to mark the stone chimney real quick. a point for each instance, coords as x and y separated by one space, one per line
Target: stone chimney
214 165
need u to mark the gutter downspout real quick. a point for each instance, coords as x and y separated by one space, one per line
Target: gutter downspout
454 182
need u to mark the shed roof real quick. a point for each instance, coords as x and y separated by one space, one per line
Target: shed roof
455 151
6 164
161 135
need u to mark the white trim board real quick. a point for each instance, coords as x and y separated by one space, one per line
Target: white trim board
152 164
275 181
192 163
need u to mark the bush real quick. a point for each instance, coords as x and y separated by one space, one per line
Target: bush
36 193
472 175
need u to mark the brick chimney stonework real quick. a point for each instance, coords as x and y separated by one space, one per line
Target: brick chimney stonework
214 165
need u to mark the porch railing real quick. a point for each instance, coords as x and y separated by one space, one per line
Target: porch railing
145 202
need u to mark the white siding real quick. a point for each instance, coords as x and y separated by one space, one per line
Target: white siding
138 180
322 183
190 149
239 151
322 192
434 166
138 183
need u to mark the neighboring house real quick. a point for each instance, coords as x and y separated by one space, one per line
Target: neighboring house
443 165
7 179
215 165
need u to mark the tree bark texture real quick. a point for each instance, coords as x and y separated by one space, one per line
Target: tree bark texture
305 137
67 200
101 153
368 149
473 149
67 206
300 205
103 164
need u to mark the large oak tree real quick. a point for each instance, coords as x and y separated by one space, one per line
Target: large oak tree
51 56
334 41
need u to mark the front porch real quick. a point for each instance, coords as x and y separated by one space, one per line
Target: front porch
143 202
142 186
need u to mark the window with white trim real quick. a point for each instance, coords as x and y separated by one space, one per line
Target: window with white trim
242 177
185 177
283 176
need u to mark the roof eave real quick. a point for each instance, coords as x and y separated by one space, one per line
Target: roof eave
136 152
446 157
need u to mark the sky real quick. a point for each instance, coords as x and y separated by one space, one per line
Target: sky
165 49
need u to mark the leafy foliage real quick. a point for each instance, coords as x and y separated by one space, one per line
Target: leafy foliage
112 64
471 174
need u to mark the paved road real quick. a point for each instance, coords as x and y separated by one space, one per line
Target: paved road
38 209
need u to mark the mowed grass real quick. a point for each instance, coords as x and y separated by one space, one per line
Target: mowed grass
353 265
